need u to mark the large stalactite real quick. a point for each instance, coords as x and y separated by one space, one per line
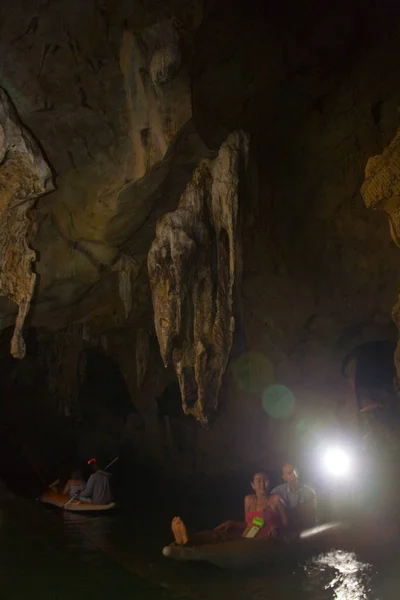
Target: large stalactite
194 266
24 176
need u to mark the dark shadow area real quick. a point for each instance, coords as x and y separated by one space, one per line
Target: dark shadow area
36 441
103 387
370 367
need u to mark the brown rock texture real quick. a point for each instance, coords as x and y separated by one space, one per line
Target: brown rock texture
107 92
156 111
381 188
24 176
128 99
381 191
193 267
142 356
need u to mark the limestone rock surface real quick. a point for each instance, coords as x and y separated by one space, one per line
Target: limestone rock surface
193 270
106 91
142 356
24 176
381 191
381 188
128 99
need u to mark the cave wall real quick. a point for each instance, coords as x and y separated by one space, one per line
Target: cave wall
319 270
381 192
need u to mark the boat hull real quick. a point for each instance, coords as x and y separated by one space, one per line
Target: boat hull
255 553
59 500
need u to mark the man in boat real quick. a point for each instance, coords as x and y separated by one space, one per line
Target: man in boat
299 499
264 517
98 488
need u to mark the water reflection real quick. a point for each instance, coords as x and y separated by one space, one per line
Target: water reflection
88 534
119 557
334 575
343 574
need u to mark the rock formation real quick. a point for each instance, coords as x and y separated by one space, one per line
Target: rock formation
381 188
125 267
111 102
24 176
131 102
142 356
193 268
156 111
381 191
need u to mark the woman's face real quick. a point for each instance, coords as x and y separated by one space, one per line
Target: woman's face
260 483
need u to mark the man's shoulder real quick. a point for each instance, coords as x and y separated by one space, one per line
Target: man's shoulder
280 489
308 491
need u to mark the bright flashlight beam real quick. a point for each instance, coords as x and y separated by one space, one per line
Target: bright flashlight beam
337 462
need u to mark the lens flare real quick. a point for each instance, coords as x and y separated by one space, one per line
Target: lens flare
278 402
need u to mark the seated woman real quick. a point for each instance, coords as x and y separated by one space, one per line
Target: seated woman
259 504
74 485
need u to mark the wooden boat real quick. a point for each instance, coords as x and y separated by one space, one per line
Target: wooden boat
258 552
368 539
60 501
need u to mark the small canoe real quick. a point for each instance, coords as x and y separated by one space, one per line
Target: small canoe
257 552
366 538
60 500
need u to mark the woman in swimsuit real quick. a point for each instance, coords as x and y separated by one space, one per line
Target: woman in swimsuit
74 485
258 504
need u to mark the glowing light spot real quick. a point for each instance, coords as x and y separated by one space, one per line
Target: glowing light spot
253 372
278 402
346 577
337 462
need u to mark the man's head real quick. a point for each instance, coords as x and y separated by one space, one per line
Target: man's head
290 474
93 465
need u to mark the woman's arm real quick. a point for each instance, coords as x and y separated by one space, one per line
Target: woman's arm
277 504
226 525
282 513
66 489
248 503
236 524
54 486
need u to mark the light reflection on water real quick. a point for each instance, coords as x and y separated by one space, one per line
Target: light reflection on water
43 546
333 575
347 577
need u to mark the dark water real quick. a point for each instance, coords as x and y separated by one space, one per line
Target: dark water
49 555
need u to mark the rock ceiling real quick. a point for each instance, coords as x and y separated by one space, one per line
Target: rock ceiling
116 116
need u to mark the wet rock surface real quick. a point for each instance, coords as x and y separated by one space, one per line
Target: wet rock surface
129 102
194 265
24 176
